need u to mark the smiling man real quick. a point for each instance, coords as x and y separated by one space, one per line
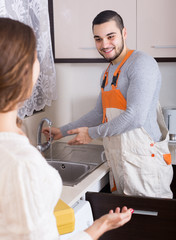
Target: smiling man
127 115
109 40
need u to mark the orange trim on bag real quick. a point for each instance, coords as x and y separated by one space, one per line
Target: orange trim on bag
114 187
167 158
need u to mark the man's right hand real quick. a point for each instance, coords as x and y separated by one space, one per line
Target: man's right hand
55 133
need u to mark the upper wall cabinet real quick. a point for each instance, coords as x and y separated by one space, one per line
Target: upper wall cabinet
156 30
72 27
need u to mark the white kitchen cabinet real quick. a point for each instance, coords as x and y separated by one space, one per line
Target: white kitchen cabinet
72 25
156 31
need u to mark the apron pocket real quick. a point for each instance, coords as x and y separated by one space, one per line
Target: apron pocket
146 176
140 176
159 153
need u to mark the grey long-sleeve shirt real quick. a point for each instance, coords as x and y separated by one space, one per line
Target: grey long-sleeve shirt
139 83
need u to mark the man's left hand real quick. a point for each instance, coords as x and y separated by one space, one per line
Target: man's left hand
82 136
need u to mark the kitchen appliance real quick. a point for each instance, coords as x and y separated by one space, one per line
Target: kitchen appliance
83 218
170 120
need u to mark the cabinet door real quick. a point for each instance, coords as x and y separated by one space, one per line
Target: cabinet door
153 218
73 25
156 30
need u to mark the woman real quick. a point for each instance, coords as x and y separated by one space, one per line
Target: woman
29 187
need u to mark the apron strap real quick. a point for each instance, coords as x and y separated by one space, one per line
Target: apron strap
105 78
117 71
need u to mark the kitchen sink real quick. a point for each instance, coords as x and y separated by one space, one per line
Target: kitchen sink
72 172
74 163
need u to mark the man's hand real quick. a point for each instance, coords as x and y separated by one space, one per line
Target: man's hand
82 136
55 133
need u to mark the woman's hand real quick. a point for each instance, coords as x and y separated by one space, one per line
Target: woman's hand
109 221
55 133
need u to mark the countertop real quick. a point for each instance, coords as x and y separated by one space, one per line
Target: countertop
93 182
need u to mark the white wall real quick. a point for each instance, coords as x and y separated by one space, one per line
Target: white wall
168 88
78 88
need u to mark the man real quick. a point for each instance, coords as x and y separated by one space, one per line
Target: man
127 115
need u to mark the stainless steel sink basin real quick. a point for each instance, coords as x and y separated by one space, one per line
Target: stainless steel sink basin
74 163
72 172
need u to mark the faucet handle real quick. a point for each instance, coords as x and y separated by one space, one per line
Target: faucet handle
42 147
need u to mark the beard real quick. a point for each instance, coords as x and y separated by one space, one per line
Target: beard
117 54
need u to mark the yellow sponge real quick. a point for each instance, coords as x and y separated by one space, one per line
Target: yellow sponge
65 218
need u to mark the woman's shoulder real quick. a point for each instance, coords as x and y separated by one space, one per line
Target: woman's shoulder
28 185
19 157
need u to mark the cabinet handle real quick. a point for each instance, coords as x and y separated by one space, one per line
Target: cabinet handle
143 212
87 48
164 46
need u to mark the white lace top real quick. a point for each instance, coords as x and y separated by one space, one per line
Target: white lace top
29 191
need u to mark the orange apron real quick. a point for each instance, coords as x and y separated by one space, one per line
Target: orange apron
138 165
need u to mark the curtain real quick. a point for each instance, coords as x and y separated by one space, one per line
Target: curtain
35 14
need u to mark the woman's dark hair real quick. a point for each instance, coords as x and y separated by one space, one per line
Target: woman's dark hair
17 55
106 16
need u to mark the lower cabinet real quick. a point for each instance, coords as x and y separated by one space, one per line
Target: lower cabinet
173 184
153 218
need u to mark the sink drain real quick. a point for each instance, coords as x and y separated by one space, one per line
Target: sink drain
63 166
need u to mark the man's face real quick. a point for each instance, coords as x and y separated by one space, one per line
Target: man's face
108 40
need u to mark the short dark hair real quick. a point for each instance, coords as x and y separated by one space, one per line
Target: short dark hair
106 16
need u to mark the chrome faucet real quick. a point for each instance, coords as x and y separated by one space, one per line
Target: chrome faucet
42 147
